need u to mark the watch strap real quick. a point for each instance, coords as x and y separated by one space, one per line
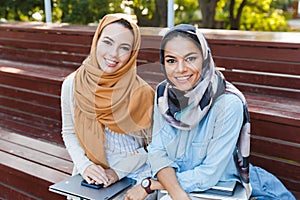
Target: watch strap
147 189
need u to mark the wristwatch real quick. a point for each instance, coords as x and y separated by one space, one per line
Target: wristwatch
146 183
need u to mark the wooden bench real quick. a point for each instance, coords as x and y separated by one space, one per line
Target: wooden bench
34 61
35 58
28 166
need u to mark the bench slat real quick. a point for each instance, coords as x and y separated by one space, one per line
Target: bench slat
31 107
58 59
42 146
29 96
273 130
31 125
30 177
63 37
7 192
36 157
288 150
44 45
267 80
26 166
256 52
291 68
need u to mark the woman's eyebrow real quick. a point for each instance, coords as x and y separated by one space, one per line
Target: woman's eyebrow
110 39
188 54
169 56
126 44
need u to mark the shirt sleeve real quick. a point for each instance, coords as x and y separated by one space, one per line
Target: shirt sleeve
80 160
157 156
227 115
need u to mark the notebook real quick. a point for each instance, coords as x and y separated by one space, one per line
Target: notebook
238 193
223 190
72 187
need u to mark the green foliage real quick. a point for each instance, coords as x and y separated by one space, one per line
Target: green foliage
87 11
264 15
186 11
144 7
72 11
17 10
257 15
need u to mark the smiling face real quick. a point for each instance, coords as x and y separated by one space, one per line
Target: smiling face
114 47
183 62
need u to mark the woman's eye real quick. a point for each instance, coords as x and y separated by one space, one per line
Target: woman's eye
170 61
125 48
107 42
190 59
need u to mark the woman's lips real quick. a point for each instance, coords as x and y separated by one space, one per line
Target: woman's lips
111 63
183 78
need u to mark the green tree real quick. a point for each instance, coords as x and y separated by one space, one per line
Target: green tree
154 12
208 10
236 16
261 16
186 11
253 14
87 11
17 10
150 12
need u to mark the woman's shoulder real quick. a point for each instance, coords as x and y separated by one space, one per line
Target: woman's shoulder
69 80
68 84
229 97
229 101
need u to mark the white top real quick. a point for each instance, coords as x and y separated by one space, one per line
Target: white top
125 153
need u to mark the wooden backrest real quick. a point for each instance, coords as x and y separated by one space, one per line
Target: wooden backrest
46 45
256 62
264 63
262 67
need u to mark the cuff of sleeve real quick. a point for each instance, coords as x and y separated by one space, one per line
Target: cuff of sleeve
83 167
121 174
187 184
162 163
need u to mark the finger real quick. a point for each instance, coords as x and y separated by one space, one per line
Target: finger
95 174
98 174
88 180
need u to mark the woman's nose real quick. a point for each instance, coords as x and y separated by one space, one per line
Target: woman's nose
181 66
113 51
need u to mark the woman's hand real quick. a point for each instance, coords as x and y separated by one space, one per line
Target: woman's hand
136 193
95 174
112 177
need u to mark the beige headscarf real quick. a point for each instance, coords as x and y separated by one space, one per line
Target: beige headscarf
120 101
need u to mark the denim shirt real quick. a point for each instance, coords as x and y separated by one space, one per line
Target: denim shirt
203 155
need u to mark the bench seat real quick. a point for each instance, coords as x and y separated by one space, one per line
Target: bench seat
29 166
31 108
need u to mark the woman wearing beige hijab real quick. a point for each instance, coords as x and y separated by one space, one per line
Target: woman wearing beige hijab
107 107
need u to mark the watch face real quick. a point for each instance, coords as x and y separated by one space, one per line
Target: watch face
145 183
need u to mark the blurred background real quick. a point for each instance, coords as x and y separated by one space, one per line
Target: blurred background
252 15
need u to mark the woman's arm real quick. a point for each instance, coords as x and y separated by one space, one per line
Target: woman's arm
80 160
161 165
167 178
157 154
